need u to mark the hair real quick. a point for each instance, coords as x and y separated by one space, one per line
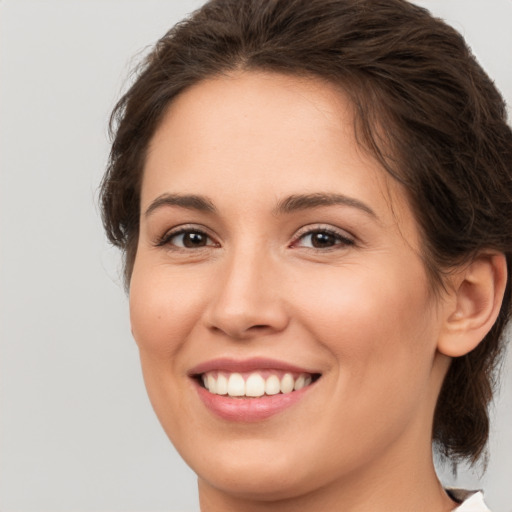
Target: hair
423 107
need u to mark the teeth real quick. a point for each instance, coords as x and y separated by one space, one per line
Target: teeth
236 385
287 383
222 385
254 384
299 383
272 385
212 384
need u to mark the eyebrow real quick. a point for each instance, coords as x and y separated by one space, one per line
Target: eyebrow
306 201
290 204
188 201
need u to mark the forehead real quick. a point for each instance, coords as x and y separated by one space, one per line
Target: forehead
251 115
256 136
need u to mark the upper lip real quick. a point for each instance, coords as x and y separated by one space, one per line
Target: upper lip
246 365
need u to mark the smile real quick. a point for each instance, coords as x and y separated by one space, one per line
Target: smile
251 390
254 384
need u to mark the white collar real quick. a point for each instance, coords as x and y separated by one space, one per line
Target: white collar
472 501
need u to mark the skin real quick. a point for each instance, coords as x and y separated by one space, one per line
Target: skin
361 313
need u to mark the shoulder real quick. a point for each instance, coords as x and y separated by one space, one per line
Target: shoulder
470 501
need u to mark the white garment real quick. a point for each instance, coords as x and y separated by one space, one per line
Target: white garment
472 501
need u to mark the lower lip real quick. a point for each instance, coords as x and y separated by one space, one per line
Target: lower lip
249 409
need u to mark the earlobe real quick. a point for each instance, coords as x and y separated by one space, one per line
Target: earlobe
474 304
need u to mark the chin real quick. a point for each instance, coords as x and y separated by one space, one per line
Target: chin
259 482
257 470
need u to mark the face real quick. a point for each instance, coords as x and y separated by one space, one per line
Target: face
278 299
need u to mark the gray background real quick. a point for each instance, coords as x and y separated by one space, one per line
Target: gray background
76 429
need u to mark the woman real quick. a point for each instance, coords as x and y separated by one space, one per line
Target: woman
314 202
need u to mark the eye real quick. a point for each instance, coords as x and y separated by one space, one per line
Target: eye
323 238
187 238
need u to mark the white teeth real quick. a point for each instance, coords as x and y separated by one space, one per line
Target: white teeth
299 383
272 385
236 385
222 385
255 386
287 383
212 384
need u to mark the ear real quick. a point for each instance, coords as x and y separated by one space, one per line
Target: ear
473 304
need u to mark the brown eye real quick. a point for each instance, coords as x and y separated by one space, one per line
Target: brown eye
188 239
320 240
323 239
194 239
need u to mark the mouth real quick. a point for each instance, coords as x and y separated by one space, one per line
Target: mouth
255 384
251 390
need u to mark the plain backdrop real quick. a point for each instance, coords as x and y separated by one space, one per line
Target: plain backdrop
77 433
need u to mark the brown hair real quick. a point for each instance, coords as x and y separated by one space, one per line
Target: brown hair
424 108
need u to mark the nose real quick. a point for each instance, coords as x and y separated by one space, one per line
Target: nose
248 299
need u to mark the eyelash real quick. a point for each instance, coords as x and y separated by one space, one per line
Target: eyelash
168 236
341 240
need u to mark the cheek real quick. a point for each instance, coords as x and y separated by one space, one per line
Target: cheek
163 312
163 309
369 319
380 333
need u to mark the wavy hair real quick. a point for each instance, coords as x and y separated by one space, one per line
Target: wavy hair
424 108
